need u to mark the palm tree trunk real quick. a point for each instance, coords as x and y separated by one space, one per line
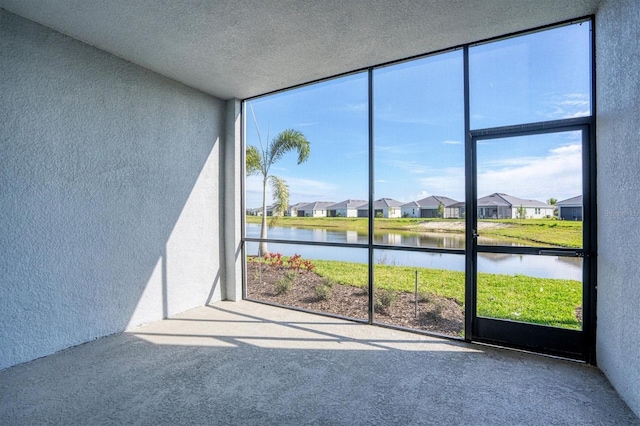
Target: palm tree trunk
262 247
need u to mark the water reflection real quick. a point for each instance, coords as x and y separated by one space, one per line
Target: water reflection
497 263
411 239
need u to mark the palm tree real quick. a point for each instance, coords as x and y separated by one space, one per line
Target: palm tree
260 161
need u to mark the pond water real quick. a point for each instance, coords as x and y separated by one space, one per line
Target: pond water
498 263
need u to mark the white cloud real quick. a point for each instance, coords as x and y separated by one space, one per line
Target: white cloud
299 190
452 142
407 166
420 195
448 182
557 174
570 105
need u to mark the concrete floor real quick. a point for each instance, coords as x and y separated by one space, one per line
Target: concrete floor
246 363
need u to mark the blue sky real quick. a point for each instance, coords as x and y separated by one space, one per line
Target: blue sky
419 124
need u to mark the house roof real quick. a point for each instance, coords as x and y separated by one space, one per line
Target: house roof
298 205
411 204
233 49
347 204
316 205
259 209
433 202
504 200
382 203
573 201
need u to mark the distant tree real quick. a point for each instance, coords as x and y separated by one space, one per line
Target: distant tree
259 162
522 212
440 212
553 202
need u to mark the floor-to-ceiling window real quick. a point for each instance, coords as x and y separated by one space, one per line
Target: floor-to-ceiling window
325 191
426 194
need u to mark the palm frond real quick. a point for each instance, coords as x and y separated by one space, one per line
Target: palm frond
280 198
286 141
253 161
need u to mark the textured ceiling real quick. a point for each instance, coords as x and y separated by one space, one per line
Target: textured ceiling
240 48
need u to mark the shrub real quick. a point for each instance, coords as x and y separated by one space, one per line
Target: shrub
436 308
365 288
285 283
328 282
384 301
424 296
322 292
274 259
308 265
295 262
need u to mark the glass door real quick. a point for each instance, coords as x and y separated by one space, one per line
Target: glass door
530 243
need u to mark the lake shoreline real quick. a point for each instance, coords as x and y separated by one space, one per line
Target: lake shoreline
527 232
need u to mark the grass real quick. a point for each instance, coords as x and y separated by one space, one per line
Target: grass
548 232
516 297
561 233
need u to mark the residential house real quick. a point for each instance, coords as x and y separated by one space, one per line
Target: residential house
346 208
410 209
258 211
503 206
384 207
437 206
294 208
314 209
570 209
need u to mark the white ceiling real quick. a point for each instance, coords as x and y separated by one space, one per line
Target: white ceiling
244 48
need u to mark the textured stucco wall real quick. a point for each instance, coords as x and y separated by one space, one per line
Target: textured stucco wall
618 150
109 193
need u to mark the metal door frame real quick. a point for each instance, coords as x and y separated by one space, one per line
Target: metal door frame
539 338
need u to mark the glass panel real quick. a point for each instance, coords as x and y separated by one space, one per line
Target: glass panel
326 191
524 186
418 290
536 77
529 288
419 152
323 279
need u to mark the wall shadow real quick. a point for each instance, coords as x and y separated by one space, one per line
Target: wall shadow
109 193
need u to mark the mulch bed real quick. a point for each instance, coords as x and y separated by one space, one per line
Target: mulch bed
436 314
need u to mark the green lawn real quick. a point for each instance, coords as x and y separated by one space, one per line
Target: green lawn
562 233
548 232
521 298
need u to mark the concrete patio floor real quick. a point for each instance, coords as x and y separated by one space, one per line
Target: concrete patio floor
245 363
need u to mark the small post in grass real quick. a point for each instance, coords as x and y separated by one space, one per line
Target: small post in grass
416 294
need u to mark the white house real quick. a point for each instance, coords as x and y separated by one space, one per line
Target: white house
384 207
346 208
293 209
314 209
435 206
410 209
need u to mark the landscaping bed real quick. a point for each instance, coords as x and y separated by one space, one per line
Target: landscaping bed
302 287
